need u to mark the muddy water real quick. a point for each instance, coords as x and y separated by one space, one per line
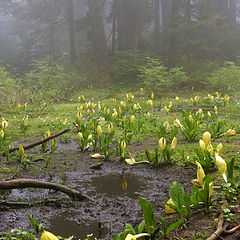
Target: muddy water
112 206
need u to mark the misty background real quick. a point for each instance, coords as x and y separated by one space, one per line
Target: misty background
71 44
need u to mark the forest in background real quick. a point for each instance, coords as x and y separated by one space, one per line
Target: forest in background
169 44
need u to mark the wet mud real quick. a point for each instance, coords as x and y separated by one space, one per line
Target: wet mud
113 205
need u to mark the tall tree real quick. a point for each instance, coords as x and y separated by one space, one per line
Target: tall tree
99 40
173 41
71 31
156 6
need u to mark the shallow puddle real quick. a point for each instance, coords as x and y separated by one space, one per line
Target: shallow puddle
69 224
113 185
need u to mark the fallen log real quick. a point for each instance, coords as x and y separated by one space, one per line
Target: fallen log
221 229
38 142
33 183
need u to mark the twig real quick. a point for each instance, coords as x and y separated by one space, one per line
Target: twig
33 183
221 229
39 142
30 204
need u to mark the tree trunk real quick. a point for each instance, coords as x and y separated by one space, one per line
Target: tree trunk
232 10
166 13
156 6
127 22
99 41
114 13
172 50
71 31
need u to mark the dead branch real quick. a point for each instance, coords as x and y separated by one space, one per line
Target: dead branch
33 183
45 202
221 229
39 142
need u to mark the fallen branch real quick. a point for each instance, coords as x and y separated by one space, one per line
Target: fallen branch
32 183
45 202
221 229
38 142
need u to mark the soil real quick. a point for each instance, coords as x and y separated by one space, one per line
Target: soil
112 206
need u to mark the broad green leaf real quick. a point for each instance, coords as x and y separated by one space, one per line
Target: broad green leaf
148 214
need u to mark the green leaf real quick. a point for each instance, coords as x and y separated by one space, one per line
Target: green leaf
230 167
34 223
140 227
148 214
173 226
176 193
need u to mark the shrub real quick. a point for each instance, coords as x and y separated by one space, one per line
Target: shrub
49 81
226 76
157 76
7 86
126 65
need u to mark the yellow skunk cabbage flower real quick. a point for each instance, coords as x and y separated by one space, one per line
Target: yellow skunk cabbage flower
177 99
209 114
80 109
123 104
47 134
79 115
211 97
134 237
162 143
99 130
132 118
231 132
215 109
196 99
2 133
48 236
169 210
110 128
150 102
152 95
119 111
19 106
210 189
90 137
210 149
190 118
21 150
96 155
80 136
25 122
200 173
199 111
114 114
166 110
191 99
222 167
130 161
141 89
123 145
219 148
174 143
202 145
197 124
166 124
134 106
207 138
226 98
65 121
4 124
